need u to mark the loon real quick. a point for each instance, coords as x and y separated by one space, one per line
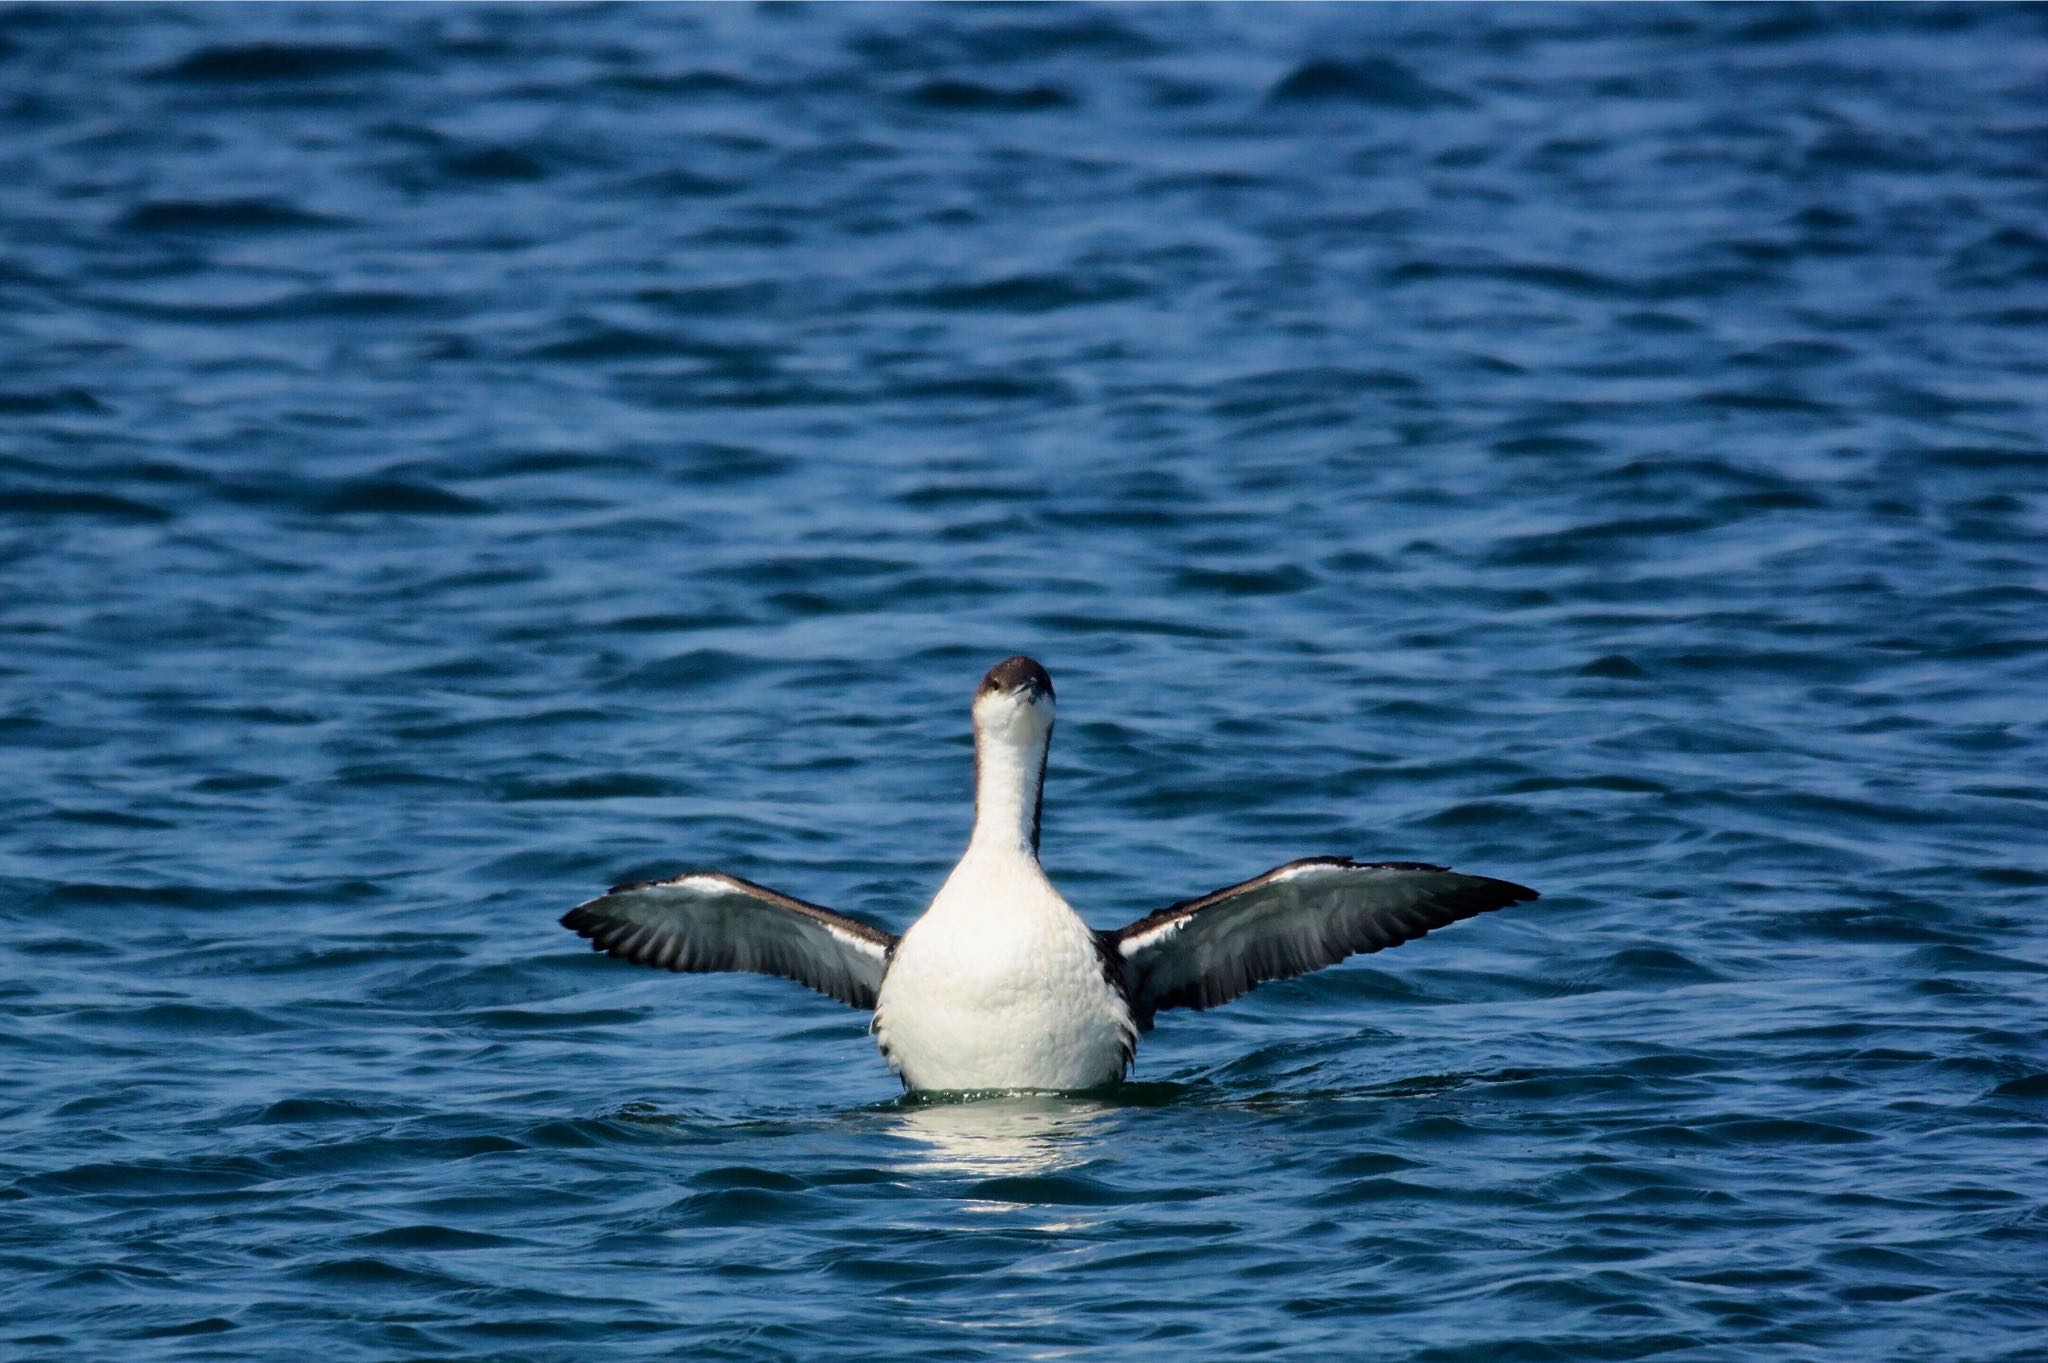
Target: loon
1000 985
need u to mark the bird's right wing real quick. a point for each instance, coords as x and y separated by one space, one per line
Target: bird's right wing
707 920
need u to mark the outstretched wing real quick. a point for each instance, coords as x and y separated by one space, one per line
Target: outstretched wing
706 920
1293 919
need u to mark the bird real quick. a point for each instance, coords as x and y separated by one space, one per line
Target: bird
1000 986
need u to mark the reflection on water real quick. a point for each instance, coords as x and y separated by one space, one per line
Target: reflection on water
1003 1136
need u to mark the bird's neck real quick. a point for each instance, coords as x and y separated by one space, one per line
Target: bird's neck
1009 785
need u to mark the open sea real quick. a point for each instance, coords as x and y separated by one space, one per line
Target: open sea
456 458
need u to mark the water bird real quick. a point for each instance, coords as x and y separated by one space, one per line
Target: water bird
999 984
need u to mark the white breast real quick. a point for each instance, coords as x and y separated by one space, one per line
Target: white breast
1000 986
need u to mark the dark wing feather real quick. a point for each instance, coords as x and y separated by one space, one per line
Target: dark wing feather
706 920
1294 919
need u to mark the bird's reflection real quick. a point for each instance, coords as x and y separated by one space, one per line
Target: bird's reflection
1004 1136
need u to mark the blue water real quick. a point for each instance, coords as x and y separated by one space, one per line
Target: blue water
455 459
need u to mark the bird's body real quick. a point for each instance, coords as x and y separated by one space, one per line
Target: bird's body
1000 984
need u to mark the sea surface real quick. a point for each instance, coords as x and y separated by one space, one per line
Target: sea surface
453 459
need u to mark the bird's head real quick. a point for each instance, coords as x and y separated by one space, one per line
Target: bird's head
1014 703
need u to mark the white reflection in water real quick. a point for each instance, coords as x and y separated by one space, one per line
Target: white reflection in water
1002 1136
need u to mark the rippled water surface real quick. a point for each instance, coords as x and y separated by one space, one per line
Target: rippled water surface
454 459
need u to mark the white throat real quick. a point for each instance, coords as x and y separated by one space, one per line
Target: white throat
1011 736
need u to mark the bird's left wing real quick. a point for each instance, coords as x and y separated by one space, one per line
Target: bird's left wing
707 920
1293 919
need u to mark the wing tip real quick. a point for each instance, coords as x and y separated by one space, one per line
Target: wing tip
1484 894
595 928
1509 891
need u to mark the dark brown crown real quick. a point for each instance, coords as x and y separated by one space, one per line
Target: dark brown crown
1015 674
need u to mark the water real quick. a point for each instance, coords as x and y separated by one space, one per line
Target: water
455 459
